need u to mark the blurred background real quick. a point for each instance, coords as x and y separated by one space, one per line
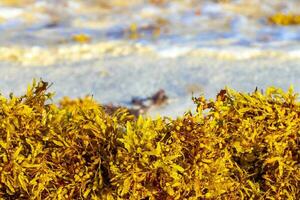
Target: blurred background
122 52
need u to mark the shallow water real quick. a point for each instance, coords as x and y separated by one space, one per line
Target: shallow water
135 48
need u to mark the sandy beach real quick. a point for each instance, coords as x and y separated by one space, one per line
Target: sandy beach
185 48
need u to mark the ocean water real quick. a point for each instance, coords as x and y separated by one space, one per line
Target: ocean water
116 50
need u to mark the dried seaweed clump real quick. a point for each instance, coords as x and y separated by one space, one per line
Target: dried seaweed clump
284 19
239 146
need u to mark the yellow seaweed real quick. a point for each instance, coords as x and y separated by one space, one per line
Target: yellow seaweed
238 146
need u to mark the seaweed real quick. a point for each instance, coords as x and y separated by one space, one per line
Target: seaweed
238 146
284 19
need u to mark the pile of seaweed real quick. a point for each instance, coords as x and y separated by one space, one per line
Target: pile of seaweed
283 19
238 146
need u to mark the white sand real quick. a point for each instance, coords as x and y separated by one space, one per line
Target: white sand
117 80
